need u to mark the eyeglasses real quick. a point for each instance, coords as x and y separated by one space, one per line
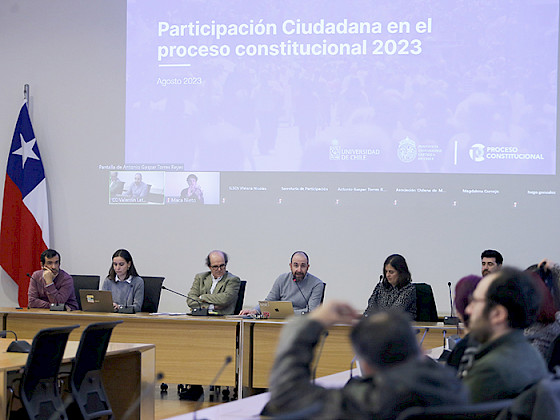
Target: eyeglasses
218 267
472 299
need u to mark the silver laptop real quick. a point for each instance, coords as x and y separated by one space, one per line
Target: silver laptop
96 300
276 309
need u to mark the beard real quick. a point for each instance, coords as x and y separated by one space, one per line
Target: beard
480 330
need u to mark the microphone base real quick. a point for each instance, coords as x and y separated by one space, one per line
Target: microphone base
126 310
451 320
192 393
19 346
57 307
199 312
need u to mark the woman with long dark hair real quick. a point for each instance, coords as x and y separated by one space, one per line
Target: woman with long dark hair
126 286
395 290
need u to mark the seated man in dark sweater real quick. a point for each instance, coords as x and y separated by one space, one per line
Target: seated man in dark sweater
396 374
502 305
51 285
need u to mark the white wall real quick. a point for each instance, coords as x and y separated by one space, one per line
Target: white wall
72 54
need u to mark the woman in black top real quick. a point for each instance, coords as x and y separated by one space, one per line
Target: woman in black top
395 290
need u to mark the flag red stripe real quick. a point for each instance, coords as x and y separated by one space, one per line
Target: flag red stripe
21 241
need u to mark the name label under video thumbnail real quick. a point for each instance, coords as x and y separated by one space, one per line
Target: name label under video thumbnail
192 188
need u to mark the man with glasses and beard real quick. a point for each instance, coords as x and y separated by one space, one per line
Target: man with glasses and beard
502 305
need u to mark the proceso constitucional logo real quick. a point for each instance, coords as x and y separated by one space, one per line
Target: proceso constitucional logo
476 152
406 150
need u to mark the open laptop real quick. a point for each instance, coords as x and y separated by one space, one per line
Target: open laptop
96 300
276 309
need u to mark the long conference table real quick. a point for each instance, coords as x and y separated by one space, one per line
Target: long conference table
192 349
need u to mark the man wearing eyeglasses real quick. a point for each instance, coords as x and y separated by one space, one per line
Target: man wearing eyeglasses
502 305
216 289
303 289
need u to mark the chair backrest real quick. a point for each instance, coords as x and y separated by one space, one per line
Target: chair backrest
323 294
553 358
39 388
480 411
539 401
84 282
85 378
152 293
240 297
425 304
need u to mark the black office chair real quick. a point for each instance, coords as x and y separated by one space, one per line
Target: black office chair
152 293
480 411
425 304
553 358
323 294
90 398
540 401
39 391
240 297
84 282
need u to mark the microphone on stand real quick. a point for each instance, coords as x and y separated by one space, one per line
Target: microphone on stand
450 320
200 311
323 338
16 346
173 291
354 359
227 361
306 299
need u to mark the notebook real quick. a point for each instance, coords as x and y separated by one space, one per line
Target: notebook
276 309
96 300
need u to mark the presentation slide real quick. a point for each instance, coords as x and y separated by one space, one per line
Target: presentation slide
432 89
330 86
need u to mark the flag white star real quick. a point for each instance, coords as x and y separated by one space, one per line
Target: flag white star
26 150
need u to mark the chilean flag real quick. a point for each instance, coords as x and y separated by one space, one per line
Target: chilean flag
24 233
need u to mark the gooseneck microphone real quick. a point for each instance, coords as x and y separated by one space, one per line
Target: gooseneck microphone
450 320
227 361
16 346
173 291
354 359
323 338
200 311
299 288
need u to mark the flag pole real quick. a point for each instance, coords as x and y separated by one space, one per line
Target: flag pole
26 93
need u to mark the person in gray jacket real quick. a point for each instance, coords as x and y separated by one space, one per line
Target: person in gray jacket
395 373
298 286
